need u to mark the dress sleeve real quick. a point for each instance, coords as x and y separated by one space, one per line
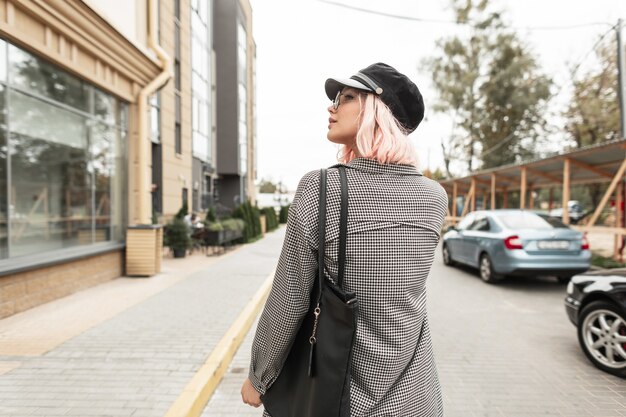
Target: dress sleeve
289 297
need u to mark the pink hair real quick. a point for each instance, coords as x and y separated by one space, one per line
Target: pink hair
380 136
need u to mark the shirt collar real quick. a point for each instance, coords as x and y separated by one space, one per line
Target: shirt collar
374 167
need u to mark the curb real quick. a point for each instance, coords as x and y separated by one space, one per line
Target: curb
196 395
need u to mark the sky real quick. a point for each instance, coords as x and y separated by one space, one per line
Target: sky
301 43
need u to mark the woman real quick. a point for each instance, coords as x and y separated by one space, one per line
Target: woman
394 223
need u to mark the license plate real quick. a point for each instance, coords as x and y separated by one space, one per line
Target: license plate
553 244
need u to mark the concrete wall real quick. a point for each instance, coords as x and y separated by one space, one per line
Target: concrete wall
129 17
177 168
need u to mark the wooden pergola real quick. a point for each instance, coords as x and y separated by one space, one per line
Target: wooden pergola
601 163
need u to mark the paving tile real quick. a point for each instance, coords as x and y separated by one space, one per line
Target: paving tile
137 361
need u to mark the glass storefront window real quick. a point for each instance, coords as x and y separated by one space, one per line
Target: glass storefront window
4 218
103 166
104 107
36 76
63 167
118 188
50 187
3 61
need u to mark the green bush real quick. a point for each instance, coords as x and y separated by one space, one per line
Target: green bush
233 224
214 227
210 216
604 262
252 219
284 212
184 210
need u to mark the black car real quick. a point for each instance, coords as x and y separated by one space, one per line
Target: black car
596 304
575 211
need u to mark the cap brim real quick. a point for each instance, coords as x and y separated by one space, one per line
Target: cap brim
334 85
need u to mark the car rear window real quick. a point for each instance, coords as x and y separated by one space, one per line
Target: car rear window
517 221
554 221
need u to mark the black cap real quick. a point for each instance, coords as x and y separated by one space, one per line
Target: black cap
396 90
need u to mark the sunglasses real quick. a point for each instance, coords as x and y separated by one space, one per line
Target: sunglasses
342 98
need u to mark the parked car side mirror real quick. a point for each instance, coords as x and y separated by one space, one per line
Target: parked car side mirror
449 228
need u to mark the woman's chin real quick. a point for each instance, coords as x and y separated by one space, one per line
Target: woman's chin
334 139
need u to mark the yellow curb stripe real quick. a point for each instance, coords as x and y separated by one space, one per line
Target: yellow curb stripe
196 395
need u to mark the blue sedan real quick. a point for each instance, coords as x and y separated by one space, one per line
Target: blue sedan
516 242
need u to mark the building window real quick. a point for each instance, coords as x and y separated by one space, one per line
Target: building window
155 118
194 200
63 179
207 193
177 125
177 74
178 143
242 96
157 175
178 138
201 42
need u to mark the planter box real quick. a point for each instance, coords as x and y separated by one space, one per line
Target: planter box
214 238
221 237
143 250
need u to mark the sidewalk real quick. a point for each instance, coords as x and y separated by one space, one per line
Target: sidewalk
130 347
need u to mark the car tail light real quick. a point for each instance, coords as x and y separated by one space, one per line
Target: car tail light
513 242
585 243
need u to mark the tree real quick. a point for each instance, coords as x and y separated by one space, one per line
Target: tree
593 115
492 86
267 186
436 175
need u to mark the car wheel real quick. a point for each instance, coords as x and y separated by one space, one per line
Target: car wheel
487 273
447 259
602 336
564 279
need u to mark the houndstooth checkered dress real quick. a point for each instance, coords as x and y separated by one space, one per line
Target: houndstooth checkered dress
394 222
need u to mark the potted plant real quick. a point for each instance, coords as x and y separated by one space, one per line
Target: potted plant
178 238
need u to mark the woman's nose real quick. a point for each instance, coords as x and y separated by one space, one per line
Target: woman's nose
331 109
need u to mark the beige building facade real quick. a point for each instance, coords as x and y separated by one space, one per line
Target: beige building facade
104 124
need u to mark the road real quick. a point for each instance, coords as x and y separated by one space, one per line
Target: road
505 350
509 350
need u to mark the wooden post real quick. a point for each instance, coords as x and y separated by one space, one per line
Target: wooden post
618 222
468 198
620 236
473 194
522 192
493 191
621 224
617 178
551 203
566 175
454 209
